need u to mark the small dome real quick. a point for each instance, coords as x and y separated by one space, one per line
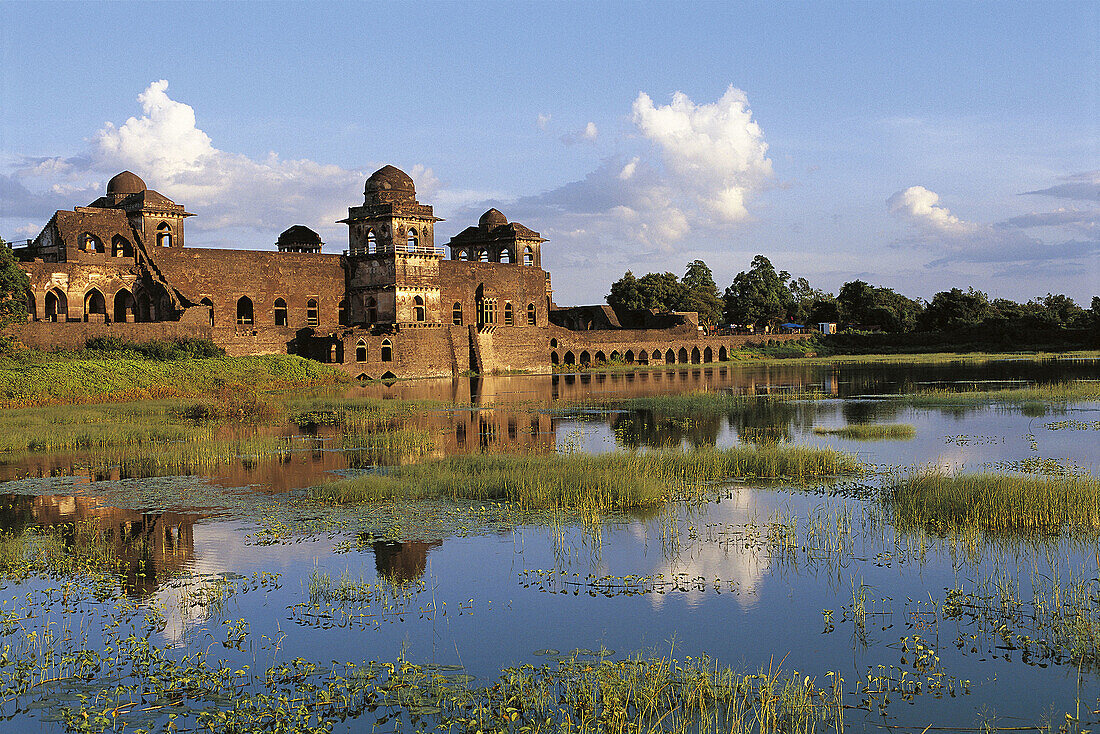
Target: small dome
299 235
125 183
389 184
492 219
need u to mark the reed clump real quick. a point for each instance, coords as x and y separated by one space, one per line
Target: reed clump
601 483
695 404
1075 391
999 503
871 431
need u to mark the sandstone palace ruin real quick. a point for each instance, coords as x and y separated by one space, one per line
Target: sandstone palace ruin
392 304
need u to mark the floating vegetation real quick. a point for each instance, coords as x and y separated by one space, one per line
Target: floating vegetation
694 404
602 483
1036 397
871 431
999 503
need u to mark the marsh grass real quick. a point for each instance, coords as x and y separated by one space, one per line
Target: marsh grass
871 431
1030 397
602 483
701 404
999 503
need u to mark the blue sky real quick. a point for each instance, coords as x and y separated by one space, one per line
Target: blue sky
901 143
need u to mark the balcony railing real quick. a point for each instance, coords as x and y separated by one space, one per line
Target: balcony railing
404 250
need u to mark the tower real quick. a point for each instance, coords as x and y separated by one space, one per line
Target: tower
392 260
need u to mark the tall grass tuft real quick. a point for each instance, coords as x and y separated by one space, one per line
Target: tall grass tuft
1001 503
871 431
599 483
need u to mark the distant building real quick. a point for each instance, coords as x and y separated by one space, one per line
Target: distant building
392 304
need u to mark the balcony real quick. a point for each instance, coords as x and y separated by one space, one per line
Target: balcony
402 250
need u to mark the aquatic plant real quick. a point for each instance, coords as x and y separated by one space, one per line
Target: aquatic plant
604 482
999 503
871 431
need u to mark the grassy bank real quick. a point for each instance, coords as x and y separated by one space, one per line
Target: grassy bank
871 431
39 379
600 483
996 502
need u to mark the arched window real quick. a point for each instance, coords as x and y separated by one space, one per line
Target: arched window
94 305
120 247
210 306
124 306
722 355
528 256
244 311
32 307
508 317
483 255
463 255
387 351
90 243
372 242
585 358
600 358
553 343
418 308
569 358
456 314
372 310
531 316
57 305
342 313
628 356
412 242
164 235
708 355
695 358
280 313
312 314
683 356
361 351
670 357
506 255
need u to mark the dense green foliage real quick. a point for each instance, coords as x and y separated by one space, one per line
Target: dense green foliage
759 296
158 349
665 292
13 288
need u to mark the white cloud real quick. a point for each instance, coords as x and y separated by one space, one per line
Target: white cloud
1079 186
587 134
921 206
628 170
716 152
543 120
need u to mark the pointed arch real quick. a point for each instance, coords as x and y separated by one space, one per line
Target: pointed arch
695 358
722 355
532 316
528 256
554 358
123 306
88 242
361 351
372 242
585 358
281 317
683 356
245 311
569 358
509 316
670 357
94 304
32 307
313 313
506 255
482 255
387 351
121 247
708 355
164 235
372 310
600 358
463 255
419 312
412 242
456 314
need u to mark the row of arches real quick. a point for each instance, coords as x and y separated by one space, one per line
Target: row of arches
246 312
124 307
120 246
642 356
412 241
385 351
486 313
493 255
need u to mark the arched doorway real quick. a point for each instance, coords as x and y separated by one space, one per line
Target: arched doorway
95 306
124 307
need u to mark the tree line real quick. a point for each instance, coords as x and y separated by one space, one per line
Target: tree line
761 299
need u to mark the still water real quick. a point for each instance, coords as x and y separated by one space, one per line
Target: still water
765 576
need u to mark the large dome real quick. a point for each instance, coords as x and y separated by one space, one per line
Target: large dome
492 219
125 183
388 185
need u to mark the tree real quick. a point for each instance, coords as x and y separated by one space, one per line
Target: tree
863 303
824 310
14 285
662 291
702 294
955 309
759 296
625 293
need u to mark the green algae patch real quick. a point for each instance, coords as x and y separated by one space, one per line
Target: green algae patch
600 483
54 380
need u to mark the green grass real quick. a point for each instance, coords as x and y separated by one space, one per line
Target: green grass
50 380
599 483
1003 503
871 431
1060 393
693 404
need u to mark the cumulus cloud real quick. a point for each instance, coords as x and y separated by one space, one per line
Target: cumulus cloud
922 207
715 151
587 134
953 240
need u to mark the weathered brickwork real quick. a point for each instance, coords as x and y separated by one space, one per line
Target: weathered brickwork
391 305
